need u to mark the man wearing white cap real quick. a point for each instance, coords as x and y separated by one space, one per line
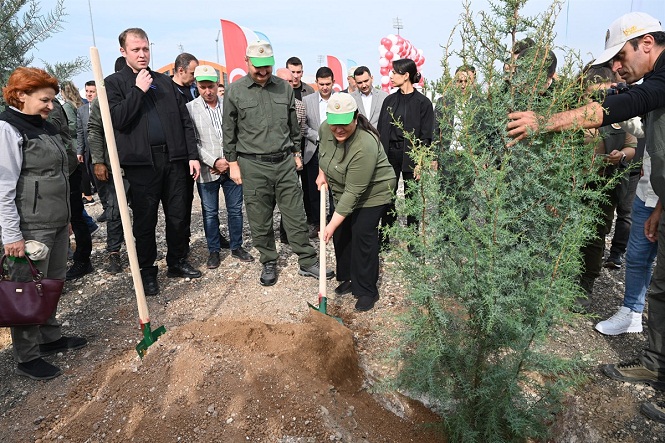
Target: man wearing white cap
635 45
261 137
206 114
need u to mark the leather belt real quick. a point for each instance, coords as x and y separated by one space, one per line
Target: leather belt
159 148
266 158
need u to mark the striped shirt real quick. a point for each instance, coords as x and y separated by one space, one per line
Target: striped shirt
215 116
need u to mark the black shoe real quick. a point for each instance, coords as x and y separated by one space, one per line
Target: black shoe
269 274
654 410
224 242
183 269
88 202
614 261
343 288
242 255
283 239
115 265
38 369
313 271
63 344
213 260
78 270
365 303
102 218
150 285
313 231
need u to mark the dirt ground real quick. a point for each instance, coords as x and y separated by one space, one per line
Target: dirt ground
241 362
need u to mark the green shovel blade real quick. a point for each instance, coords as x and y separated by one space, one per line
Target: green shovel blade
149 337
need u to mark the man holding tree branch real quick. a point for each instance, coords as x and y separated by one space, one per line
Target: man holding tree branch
635 45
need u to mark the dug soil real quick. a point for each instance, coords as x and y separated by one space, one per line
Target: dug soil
245 363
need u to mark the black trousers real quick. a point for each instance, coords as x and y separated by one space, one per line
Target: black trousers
356 243
166 182
79 226
396 159
311 198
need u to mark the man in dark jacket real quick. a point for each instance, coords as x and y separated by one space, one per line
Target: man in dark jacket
157 150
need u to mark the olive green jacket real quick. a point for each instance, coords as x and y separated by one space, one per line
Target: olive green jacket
361 178
259 120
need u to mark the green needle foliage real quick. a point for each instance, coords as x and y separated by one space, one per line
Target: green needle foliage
496 253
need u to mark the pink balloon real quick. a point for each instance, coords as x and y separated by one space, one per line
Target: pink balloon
400 39
420 62
386 42
389 55
385 70
383 62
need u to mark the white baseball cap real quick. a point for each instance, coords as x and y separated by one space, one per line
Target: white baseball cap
626 27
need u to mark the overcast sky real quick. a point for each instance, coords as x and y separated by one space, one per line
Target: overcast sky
346 29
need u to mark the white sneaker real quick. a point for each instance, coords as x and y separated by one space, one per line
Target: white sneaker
623 321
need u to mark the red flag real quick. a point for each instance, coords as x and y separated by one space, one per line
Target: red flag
336 66
235 47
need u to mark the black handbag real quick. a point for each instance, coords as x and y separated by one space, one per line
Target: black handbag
30 302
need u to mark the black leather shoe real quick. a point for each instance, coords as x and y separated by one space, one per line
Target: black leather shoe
78 270
183 269
213 260
365 303
313 271
38 369
343 288
102 218
150 285
63 344
242 255
269 274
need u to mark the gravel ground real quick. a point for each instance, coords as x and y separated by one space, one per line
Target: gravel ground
241 362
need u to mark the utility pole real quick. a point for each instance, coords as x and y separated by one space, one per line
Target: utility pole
397 24
320 59
92 26
152 55
217 44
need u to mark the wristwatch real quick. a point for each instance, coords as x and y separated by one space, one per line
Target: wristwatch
297 154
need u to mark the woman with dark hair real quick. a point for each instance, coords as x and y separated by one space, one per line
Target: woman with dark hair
416 114
34 205
354 164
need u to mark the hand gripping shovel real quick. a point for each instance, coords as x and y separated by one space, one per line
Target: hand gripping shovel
149 336
323 300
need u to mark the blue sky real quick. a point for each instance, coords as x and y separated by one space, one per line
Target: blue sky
345 29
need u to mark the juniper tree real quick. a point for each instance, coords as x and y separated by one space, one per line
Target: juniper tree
497 249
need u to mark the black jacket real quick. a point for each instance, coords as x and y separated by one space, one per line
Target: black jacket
130 121
419 119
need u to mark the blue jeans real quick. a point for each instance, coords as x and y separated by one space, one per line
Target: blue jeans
640 255
209 193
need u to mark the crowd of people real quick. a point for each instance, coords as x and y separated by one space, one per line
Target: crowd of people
273 141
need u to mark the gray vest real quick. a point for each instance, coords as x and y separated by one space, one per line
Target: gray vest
42 191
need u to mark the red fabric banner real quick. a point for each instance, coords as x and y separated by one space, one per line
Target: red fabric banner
338 72
235 46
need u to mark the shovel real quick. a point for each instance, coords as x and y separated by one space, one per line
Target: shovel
149 336
323 300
